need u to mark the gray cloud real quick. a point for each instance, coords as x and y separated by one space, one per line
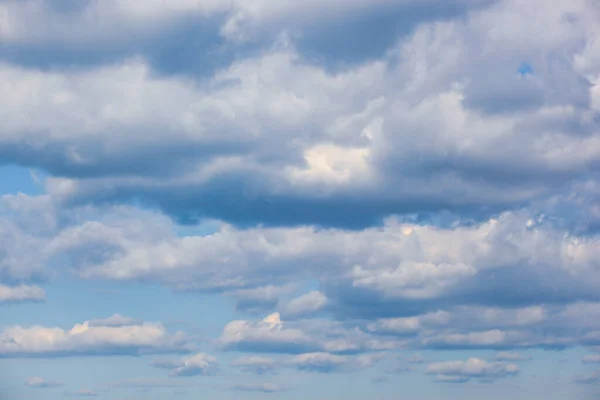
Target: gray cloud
359 144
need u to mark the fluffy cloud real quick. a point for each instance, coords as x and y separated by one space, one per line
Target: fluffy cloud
463 371
86 339
40 383
404 263
197 364
21 293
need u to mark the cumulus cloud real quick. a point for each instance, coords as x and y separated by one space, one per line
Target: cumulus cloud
40 383
472 264
21 293
85 339
463 371
197 364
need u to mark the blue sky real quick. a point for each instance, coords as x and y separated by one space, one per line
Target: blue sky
251 199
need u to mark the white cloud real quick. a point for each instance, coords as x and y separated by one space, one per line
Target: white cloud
462 371
591 359
83 393
266 335
40 383
197 364
256 364
21 293
259 387
306 304
326 363
511 356
85 339
271 335
410 325
589 378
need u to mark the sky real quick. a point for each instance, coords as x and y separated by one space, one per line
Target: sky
333 199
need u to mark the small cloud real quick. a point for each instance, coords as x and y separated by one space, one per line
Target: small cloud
116 320
259 387
40 383
591 359
82 393
198 364
256 364
306 304
380 379
463 371
511 356
588 379
22 293
451 379
144 383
